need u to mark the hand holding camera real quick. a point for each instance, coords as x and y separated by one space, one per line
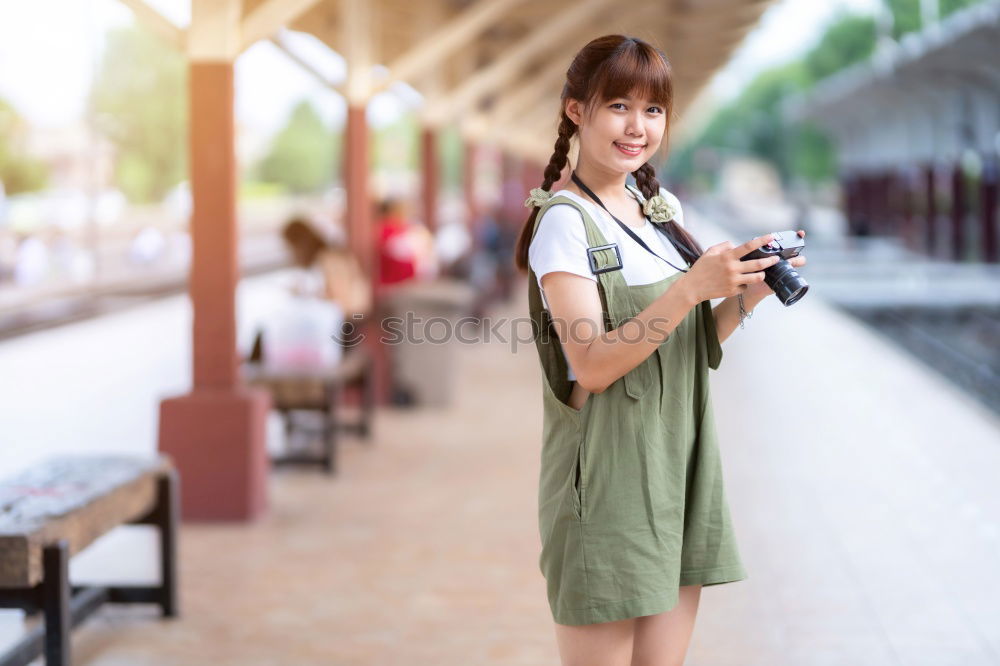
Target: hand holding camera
726 270
781 279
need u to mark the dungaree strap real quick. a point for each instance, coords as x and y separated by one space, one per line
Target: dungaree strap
616 300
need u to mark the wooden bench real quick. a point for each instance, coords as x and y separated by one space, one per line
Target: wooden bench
318 390
55 509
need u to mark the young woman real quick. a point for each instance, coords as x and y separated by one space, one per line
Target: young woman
632 511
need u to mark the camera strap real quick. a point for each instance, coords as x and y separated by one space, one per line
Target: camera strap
624 226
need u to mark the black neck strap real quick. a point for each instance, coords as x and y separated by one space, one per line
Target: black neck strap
628 229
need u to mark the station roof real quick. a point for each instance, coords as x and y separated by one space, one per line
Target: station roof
493 66
960 51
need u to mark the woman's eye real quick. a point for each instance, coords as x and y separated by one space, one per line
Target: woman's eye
656 109
617 104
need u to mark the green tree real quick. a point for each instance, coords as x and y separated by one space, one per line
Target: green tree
18 172
849 40
303 155
950 6
753 123
139 102
905 16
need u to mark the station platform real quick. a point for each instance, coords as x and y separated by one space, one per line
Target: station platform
863 489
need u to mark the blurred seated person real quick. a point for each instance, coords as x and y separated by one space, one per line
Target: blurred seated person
405 250
331 271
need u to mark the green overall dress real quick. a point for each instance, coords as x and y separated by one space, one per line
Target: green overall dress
630 500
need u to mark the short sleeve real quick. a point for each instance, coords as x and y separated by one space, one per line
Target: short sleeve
675 203
560 243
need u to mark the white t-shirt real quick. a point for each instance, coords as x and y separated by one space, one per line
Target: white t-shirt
560 244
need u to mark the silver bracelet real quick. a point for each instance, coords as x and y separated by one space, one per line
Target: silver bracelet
743 312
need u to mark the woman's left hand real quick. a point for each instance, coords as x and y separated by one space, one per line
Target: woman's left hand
758 291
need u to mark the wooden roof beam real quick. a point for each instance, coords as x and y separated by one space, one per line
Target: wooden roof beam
431 50
214 34
356 36
282 44
158 23
529 92
540 39
269 17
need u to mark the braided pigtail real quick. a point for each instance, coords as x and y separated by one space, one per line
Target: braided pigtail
553 172
645 180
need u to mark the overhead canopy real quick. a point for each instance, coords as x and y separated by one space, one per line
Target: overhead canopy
928 98
494 66
497 66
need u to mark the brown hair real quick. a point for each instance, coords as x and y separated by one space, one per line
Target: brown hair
606 68
304 241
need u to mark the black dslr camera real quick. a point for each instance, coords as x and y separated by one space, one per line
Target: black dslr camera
784 280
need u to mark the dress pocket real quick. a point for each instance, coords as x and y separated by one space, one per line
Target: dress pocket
571 412
639 378
577 484
711 335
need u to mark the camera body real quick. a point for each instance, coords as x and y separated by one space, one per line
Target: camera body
784 280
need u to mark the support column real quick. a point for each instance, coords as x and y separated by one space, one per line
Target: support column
847 201
429 176
956 250
361 239
988 210
358 209
357 21
906 184
216 433
883 222
513 180
469 156
930 191
865 207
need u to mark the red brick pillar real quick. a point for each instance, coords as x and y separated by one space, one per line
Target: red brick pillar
361 236
216 434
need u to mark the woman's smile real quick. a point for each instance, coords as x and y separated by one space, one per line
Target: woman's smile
630 149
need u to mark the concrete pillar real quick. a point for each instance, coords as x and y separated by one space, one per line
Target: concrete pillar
429 176
216 433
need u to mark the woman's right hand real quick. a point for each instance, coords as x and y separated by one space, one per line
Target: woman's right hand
719 273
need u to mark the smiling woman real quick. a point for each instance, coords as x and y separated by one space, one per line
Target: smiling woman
632 512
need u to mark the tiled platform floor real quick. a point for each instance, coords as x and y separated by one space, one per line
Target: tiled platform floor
864 491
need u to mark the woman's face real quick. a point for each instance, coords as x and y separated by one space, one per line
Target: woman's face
619 134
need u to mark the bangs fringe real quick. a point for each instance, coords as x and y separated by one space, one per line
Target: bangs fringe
636 69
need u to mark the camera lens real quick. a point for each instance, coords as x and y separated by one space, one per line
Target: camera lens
786 282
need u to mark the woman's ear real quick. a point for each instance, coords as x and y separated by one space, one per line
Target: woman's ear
574 110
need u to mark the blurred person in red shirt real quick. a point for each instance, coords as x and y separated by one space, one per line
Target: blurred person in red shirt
405 250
